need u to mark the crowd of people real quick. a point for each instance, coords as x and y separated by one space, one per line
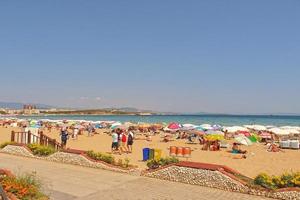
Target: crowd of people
122 141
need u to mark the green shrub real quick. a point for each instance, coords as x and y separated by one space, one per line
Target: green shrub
154 164
274 182
41 150
101 157
5 144
109 159
265 181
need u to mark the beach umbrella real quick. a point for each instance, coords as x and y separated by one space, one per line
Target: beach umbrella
256 127
265 135
279 131
114 125
245 133
122 127
217 127
291 129
212 132
199 128
189 126
206 127
214 137
234 129
174 126
196 132
243 140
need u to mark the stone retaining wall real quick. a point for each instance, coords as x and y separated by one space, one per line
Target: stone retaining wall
67 158
201 177
215 179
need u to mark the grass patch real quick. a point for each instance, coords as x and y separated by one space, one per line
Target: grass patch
6 144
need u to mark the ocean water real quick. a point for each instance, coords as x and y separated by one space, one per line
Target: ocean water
225 120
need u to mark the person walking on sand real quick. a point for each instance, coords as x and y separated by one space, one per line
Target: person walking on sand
75 133
90 130
115 142
64 137
130 141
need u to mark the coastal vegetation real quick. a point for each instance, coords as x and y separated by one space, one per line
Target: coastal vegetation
4 144
107 158
40 150
156 163
25 187
286 180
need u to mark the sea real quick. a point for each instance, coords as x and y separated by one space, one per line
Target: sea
224 120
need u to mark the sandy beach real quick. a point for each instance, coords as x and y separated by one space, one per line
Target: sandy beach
257 161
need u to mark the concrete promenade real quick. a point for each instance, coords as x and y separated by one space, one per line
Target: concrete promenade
68 182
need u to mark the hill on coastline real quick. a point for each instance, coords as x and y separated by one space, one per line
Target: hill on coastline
16 105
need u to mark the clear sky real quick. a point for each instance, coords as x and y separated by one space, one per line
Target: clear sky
185 56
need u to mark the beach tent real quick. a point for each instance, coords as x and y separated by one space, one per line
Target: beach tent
243 140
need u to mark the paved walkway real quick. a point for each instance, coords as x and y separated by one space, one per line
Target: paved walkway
68 182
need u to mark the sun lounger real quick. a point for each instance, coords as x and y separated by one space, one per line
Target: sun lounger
224 144
284 144
294 144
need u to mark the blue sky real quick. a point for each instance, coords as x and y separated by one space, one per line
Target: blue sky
185 56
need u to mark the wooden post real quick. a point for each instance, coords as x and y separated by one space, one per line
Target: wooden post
41 138
12 136
54 144
29 138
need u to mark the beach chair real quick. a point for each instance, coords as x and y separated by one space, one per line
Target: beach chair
224 144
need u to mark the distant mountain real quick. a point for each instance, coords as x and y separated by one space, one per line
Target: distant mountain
14 105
